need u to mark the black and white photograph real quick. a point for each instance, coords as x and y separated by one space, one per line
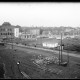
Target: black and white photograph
39 40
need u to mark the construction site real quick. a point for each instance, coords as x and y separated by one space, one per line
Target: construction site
26 63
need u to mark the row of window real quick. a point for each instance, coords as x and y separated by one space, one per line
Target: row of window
6 33
3 29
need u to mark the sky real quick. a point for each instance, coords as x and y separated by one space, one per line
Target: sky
41 14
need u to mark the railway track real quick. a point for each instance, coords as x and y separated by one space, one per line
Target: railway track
36 50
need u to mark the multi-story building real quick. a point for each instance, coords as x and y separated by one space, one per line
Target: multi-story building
26 35
8 31
35 31
31 33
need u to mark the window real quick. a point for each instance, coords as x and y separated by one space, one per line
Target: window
4 29
10 29
8 33
5 33
1 33
1 29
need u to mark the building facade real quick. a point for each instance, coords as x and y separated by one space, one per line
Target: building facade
35 31
8 31
16 32
25 35
50 43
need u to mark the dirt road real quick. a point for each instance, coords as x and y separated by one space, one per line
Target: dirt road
48 50
31 50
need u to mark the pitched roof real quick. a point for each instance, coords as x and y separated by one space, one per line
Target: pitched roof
7 24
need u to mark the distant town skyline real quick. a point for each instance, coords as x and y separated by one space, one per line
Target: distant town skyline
40 14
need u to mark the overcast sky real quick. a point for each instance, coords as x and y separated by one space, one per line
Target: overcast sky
40 14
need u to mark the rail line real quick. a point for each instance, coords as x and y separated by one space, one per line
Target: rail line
55 52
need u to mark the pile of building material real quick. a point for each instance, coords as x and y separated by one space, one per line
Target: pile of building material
46 60
42 63
51 59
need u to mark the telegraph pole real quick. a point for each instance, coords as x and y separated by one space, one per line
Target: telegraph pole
61 46
68 53
11 39
59 55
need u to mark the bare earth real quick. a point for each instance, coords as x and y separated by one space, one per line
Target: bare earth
25 56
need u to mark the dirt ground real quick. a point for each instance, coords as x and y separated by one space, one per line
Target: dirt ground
10 58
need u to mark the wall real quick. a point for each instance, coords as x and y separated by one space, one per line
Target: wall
16 32
50 45
35 31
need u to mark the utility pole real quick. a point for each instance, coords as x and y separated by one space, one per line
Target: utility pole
12 39
59 55
61 46
68 53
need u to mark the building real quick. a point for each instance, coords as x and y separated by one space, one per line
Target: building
16 32
9 31
30 33
50 43
35 31
26 35
47 34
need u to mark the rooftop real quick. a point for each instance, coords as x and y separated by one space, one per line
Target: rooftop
51 40
7 24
